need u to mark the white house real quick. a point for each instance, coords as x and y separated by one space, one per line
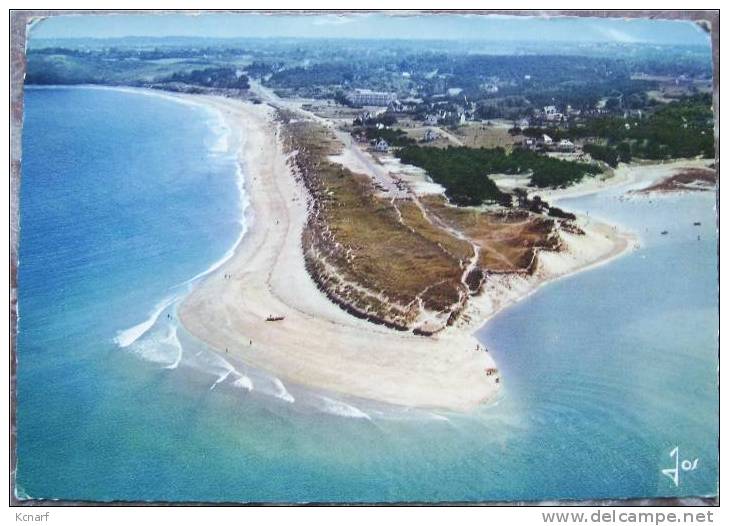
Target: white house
382 146
566 146
551 113
546 139
555 117
431 120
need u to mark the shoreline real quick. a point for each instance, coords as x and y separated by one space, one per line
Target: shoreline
510 290
629 178
317 344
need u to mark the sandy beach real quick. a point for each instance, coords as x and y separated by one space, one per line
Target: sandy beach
628 176
319 345
316 344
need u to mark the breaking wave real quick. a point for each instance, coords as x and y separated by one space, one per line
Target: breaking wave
281 391
173 339
128 336
336 407
244 383
160 347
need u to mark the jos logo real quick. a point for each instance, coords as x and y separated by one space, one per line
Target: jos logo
680 466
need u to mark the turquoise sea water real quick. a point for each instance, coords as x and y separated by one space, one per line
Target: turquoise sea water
126 197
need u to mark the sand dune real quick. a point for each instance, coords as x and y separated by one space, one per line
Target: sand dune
316 344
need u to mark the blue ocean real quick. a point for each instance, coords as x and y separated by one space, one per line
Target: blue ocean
128 198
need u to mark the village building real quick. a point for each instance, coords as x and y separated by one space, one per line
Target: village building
365 97
529 144
546 140
550 114
555 117
382 146
431 120
566 145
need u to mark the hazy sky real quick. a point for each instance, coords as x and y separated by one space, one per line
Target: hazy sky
492 27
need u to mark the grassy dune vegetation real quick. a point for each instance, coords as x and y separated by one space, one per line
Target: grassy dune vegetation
391 260
360 250
508 240
384 251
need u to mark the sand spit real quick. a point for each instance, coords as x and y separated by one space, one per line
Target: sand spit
316 343
262 306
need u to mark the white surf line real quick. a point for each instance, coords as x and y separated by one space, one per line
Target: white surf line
281 391
222 378
336 407
439 418
244 204
244 382
172 338
128 336
222 123
219 263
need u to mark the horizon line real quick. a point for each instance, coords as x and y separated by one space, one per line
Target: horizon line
403 39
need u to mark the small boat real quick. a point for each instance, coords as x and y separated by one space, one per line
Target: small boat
697 223
274 318
665 232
